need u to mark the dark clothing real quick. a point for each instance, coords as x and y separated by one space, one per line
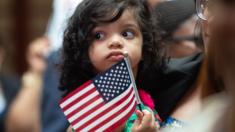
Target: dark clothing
10 87
169 86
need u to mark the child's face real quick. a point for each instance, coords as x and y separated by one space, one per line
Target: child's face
111 40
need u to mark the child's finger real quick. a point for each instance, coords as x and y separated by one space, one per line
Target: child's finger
139 115
147 118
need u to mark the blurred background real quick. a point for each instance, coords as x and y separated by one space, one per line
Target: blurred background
21 21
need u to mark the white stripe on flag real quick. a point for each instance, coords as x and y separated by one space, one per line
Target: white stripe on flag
110 113
77 95
80 103
114 120
89 107
106 106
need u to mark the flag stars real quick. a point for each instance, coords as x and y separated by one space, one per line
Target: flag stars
113 82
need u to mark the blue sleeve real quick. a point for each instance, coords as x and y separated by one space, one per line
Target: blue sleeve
52 118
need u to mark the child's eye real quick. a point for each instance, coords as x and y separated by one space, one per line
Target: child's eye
128 34
99 36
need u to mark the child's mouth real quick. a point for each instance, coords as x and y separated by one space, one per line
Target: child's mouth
115 56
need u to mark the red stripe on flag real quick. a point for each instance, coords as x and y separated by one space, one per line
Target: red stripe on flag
105 111
78 89
120 122
113 116
79 99
87 113
83 106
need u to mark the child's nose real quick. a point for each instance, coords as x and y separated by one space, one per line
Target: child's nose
116 42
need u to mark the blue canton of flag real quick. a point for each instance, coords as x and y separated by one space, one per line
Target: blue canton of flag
114 82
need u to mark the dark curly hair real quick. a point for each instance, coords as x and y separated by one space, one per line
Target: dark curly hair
76 67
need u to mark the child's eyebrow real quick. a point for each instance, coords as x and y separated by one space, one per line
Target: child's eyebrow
130 25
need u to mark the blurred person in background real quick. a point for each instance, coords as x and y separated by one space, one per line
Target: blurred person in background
52 118
218 110
177 19
24 113
40 92
9 87
219 30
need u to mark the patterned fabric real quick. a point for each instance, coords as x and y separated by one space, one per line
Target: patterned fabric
172 122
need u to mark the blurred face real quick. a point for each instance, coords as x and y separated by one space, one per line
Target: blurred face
111 40
153 3
221 27
217 14
185 46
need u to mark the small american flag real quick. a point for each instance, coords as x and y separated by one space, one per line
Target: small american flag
103 103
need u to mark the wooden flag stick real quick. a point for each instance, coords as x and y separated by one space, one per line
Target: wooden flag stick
126 58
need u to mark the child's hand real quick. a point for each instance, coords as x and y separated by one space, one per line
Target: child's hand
145 122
